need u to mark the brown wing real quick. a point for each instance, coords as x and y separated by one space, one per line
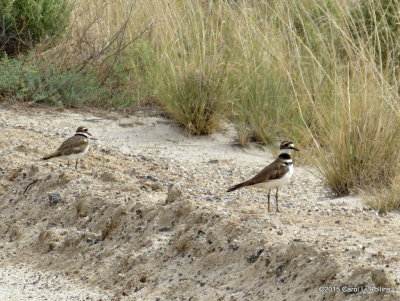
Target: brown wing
72 145
275 170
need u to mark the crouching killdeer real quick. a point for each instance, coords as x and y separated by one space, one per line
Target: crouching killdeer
73 148
275 175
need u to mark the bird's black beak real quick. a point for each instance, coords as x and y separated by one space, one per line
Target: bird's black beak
89 134
293 148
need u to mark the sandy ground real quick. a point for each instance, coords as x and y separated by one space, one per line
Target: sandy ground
147 218
19 282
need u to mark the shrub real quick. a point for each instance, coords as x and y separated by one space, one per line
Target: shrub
24 23
45 83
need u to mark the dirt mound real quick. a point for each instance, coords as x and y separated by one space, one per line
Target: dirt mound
145 228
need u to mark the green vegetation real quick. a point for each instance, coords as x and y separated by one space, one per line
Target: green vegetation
263 109
377 21
360 142
25 23
321 72
38 82
194 100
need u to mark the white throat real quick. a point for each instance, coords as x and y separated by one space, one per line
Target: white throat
286 151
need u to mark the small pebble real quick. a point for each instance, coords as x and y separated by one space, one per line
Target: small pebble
54 198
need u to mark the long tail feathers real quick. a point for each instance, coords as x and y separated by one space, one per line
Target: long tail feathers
50 156
237 186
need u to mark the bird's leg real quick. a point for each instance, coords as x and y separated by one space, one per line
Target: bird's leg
269 195
68 163
76 165
276 200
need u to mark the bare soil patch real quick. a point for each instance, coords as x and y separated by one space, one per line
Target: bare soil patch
110 224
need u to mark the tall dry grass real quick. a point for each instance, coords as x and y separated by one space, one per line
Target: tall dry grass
323 73
352 106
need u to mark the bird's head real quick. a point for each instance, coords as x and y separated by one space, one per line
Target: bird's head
287 147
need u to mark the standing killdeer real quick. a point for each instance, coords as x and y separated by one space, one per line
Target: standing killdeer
275 175
74 147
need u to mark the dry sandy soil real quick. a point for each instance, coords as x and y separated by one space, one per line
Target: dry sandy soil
146 217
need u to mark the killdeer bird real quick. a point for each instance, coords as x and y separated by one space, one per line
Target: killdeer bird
74 147
275 175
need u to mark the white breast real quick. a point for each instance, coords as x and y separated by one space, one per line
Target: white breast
77 155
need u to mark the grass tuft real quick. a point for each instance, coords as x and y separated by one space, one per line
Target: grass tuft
262 108
359 152
194 100
386 200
